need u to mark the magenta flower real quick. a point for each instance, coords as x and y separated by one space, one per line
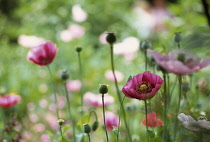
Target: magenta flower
111 120
9 100
96 100
43 54
179 61
142 86
153 120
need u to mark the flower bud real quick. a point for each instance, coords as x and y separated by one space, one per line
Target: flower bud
60 122
103 88
64 75
129 78
87 128
79 49
110 38
178 37
145 45
95 125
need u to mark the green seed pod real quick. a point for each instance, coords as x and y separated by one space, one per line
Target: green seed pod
103 88
60 122
64 75
87 128
145 45
79 49
95 125
178 37
111 38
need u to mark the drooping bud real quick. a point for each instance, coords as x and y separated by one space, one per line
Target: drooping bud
79 49
111 38
87 128
95 125
64 75
103 88
60 122
178 37
145 45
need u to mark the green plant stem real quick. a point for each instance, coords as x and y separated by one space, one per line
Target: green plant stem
118 93
165 108
69 111
80 77
178 106
88 137
54 92
61 134
120 119
178 44
145 56
107 138
96 117
145 102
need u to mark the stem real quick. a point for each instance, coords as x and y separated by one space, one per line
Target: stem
119 119
178 107
206 10
145 56
104 118
165 108
61 134
69 110
80 77
118 93
54 92
89 137
96 117
178 44
145 102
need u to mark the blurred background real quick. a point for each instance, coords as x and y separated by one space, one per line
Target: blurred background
84 23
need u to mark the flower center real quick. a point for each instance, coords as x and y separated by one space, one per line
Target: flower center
144 88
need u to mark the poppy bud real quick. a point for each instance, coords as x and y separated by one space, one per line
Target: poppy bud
95 125
145 45
103 88
60 122
87 128
110 38
64 75
79 49
178 37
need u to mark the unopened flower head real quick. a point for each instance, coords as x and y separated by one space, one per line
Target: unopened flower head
110 38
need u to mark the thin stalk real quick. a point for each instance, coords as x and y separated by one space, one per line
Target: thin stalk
145 102
96 117
145 56
165 108
54 92
178 44
69 111
88 137
118 93
61 134
178 107
80 77
107 138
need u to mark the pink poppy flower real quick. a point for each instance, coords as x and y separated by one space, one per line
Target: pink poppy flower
9 100
191 124
109 75
111 120
96 100
30 41
43 54
179 61
153 120
78 14
73 85
142 86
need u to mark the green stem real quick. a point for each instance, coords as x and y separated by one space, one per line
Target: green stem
69 111
178 107
104 118
145 56
54 92
61 134
120 119
96 117
145 102
165 108
89 137
80 76
118 93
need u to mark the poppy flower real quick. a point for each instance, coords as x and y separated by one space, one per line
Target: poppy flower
96 100
74 85
9 100
191 124
43 54
153 120
78 14
142 86
179 61
30 41
111 120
